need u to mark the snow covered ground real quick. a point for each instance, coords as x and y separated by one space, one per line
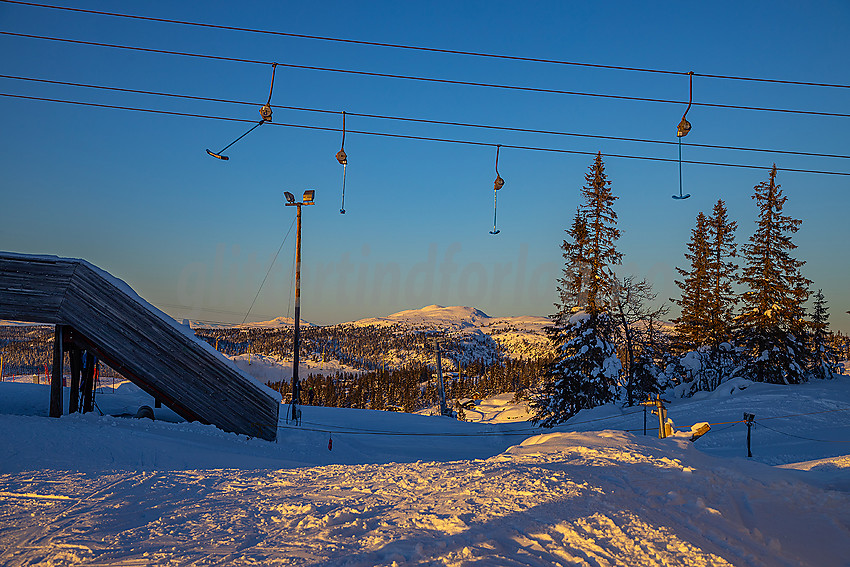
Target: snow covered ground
403 489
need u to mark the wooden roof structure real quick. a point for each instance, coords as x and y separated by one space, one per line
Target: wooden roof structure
103 315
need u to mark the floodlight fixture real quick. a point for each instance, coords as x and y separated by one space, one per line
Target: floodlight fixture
290 198
309 194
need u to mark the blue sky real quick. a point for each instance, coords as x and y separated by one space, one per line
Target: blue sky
136 194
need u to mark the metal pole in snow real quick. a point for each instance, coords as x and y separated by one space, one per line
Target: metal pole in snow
307 200
297 345
749 418
443 408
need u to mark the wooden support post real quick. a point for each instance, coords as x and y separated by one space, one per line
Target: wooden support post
88 382
56 374
75 357
660 411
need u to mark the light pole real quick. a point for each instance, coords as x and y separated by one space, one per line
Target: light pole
444 410
290 202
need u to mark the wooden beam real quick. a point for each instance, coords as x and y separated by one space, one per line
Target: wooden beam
75 357
56 375
88 382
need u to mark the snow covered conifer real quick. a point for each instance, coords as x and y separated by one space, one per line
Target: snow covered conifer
584 374
772 323
722 275
572 286
585 371
824 362
691 324
602 235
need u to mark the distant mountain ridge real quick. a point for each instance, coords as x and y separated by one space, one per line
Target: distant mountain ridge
475 333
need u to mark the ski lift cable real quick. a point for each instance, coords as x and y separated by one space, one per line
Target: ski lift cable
423 48
427 121
420 78
274 259
419 138
799 436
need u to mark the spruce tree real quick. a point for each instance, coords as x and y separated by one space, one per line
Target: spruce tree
722 275
585 371
572 286
824 361
602 235
772 323
691 326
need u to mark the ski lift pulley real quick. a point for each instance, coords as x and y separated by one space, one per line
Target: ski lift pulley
497 184
682 130
342 158
265 114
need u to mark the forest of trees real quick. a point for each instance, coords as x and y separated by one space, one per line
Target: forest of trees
415 388
27 350
743 311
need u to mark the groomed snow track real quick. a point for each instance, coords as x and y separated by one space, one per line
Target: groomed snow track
104 315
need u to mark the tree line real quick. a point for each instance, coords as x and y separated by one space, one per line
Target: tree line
743 311
416 386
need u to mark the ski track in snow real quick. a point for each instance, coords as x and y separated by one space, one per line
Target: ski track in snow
595 499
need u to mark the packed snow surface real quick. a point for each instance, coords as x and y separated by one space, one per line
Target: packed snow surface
403 489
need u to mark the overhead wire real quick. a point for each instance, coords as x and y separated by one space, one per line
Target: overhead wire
271 265
424 48
423 79
420 138
419 120
799 436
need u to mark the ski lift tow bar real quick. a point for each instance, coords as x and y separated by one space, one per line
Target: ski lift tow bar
682 131
497 184
266 116
343 161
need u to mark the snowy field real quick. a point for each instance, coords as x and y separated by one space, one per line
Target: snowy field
403 489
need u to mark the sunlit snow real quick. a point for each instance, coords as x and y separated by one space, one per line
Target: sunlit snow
403 489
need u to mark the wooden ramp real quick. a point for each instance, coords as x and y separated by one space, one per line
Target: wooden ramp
103 315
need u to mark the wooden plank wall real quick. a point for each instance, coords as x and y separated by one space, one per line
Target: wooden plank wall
32 287
137 342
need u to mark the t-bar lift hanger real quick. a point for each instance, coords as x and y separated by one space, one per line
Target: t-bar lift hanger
265 113
682 131
343 161
497 184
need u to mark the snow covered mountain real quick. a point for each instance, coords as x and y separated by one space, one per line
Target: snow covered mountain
515 337
467 335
